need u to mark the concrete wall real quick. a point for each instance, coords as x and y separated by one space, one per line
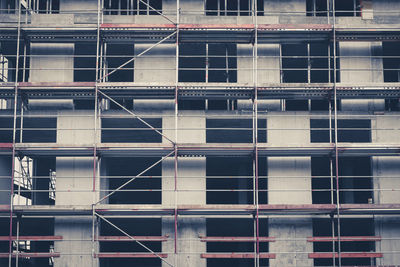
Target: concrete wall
289 183
357 65
157 65
52 62
386 171
74 186
191 186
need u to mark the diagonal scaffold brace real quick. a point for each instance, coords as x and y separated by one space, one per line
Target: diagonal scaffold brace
132 179
133 58
134 239
158 12
136 116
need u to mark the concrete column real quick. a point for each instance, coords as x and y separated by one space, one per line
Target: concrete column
51 62
191 186
157 65
5 179
280 177
358 66
268 72
289 182
74 186
386 171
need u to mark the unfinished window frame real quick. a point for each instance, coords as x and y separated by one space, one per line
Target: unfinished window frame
209 58
132 7
243 8
312 8
313 11
45 6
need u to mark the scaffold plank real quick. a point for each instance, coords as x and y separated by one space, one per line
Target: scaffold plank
31 238
32 255
133 239
236 239
237 255
343 238
329 255
129 255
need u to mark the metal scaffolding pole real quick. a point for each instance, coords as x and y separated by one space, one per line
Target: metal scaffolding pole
14 135
176 113
336 132
255 135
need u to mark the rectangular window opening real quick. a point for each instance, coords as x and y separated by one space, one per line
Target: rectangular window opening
208 63
117 55
130 130
234 185
132 7
355 181
143 190
234 131
348 227
317 8
355 131
233 7
45 6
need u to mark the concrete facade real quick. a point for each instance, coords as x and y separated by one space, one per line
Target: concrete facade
185 188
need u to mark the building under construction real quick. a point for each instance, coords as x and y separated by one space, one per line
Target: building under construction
199 133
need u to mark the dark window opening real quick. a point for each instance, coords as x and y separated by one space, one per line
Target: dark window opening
320 105
134 227
348 227
208 63
356 131
233 7
317 8
84 69
145 189
132 7
118 54
306 105
343 8
44 181
85 62
124 102
8 62
392 104
234 185
191 104
391 61
46 6
226 104
232 228
222 104
296 105
28 227
6 127
347 8
39 130
234 131
8 7
355 181
307 63
130 130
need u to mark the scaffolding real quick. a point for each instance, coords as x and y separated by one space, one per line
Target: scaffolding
102 92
